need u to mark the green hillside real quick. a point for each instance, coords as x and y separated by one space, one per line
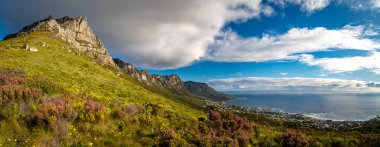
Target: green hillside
60 97
81 77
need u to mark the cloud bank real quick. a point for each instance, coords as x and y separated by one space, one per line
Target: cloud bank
347 64
233 48
293 84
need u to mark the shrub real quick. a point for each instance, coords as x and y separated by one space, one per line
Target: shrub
225 129
92 111
61 109
167 137
46 85
146 141
122 111
12 76
152 108
16 93
292 138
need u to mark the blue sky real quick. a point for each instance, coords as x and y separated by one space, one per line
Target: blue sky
242 45
333 16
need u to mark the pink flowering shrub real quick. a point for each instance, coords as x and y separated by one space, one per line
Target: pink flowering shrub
15 93
61 109
224 128
11 77
92 111
292 138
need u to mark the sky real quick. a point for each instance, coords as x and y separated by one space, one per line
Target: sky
233 45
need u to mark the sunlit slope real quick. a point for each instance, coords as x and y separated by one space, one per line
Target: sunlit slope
78 73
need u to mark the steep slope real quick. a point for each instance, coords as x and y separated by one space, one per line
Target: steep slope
204 90
82 79
173 83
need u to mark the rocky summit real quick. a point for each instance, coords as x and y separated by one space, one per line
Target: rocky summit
76 32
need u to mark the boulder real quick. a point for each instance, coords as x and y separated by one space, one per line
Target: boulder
33 49
44 44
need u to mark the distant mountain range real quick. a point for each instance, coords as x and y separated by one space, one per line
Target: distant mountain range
173 82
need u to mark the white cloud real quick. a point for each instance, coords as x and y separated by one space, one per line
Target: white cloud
375 4
311 6
294 84
361 4
322 75
283 74
347 64
233 48
308 6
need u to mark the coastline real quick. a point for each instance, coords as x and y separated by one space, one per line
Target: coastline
293 119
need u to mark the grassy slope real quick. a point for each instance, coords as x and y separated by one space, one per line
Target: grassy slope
77 73
80 75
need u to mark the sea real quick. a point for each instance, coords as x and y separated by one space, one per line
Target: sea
338 107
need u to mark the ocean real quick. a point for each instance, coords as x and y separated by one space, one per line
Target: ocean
322 106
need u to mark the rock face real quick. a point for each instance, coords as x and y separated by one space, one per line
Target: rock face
75 31
204 90
172 82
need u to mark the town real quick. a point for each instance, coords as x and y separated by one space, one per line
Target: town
292 120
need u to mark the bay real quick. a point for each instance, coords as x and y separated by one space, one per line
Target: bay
322 106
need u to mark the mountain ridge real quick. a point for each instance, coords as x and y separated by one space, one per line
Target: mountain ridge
173 82
78 33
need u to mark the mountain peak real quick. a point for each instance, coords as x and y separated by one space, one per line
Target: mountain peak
75 31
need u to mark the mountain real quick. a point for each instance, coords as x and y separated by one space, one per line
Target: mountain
174 83
80 37
76 32
59 96
204 90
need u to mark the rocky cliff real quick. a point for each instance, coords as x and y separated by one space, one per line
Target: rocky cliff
172 82
75 31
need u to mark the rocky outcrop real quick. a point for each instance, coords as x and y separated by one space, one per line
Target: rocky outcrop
204 90
172 82
75 31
